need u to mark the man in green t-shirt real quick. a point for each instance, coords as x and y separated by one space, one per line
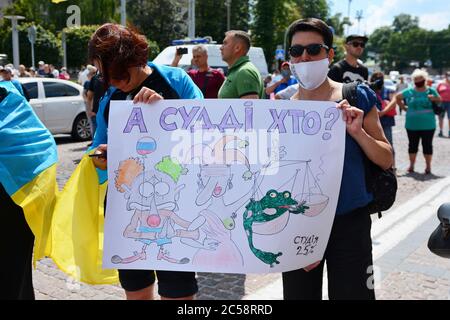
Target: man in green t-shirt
243 80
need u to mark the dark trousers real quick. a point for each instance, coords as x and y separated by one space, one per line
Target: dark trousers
349 264
16 252
414 137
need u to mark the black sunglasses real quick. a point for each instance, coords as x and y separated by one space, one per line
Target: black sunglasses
357 44
311 49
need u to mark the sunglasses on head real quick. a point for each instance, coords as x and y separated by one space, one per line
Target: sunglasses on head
311 49
357 44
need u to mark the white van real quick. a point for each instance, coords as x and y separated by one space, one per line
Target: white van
214 57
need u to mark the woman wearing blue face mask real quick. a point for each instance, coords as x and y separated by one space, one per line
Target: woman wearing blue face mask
349 251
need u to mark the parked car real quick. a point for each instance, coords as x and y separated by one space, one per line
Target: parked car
60 106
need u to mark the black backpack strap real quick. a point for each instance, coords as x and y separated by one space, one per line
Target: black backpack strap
349 93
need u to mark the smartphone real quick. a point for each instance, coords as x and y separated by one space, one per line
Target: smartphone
99 155
182 51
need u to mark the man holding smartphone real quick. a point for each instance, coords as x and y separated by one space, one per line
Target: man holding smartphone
209 80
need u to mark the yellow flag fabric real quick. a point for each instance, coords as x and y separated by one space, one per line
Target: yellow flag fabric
77 227
37 199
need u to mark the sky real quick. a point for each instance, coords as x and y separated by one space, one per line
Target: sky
433 14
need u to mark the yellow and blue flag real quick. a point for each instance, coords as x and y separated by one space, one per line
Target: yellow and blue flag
28 158
77 228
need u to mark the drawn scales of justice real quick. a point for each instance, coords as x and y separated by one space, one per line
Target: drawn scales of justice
301 183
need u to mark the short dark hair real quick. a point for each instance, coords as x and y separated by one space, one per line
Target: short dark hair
314 25
376 75
242 36
117 49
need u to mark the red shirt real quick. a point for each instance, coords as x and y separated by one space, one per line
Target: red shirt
444 91
211 88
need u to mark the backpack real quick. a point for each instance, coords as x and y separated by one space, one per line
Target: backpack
381 183
436 107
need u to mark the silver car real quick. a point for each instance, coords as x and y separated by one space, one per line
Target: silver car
60 106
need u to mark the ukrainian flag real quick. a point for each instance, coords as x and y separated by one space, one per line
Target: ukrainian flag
28 158
77 228
78 223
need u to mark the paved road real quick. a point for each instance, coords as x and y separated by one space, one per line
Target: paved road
404 268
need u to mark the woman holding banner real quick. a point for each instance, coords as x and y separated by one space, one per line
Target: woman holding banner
349 250
120 54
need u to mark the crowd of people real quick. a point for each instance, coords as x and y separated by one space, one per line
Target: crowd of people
309 75
43 71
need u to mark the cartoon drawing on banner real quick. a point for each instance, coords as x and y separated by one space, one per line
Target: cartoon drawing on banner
222 185
152 197
270 215
214 180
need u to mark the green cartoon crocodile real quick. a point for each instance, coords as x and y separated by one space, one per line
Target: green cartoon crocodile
283 204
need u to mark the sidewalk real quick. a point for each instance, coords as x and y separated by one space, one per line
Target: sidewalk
404 267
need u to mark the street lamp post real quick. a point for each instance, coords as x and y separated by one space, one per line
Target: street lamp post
15 39
228 4
191 19
64 45
284 43
123 12
348 15
32 38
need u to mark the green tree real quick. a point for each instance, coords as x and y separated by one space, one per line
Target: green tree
338 23
46 48
314 9
440 49
211 17
271 20
151 18
77 40
263 35
53 16
404 42
378 42
405 22
403 48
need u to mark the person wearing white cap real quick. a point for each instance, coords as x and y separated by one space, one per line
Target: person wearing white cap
83 75
41 71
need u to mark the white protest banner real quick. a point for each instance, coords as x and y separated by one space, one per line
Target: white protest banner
221 185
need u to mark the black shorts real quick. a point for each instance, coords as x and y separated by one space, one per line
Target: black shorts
171 284
414 137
